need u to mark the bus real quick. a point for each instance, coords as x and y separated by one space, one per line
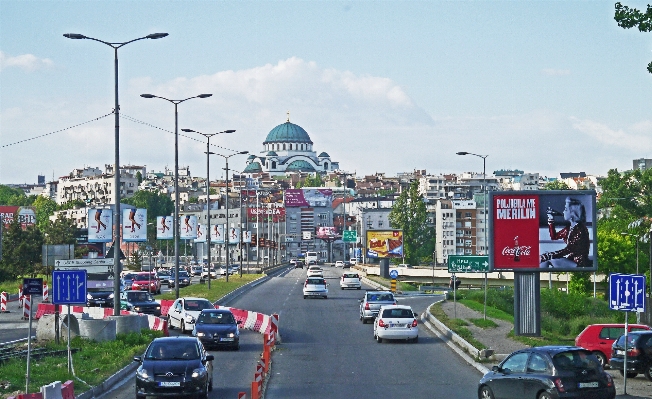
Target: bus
311 258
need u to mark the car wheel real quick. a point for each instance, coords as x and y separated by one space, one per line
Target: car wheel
210 384
325 296
170 326
415 340
544 395
182 327
648 372
304 297
358 287
379 340
629 375
486 393
601 357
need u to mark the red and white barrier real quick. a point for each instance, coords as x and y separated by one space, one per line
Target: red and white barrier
3 302
46 296
242 395
26 307
21 298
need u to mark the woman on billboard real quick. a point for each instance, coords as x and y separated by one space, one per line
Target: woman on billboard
575 235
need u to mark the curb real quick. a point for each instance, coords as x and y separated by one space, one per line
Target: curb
110 383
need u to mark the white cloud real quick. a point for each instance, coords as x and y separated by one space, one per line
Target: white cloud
555 72
27 62
616 138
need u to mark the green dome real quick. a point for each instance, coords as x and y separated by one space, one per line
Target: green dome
324 155
287 133
300 166
253 167
252 156
272 154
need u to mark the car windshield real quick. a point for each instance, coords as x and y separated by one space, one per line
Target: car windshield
380 297
315 281
346 275
139 297
197 304
576 360
216 318
144 277
128 277
631 340
398 313
171 350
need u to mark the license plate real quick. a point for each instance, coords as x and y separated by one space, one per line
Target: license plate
397 325
169 384
593 384
226 339
99 300
619 352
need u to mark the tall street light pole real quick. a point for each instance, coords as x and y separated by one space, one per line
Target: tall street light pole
484 190
176 182
208 192
226 233
116 167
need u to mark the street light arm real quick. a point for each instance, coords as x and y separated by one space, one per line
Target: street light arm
114 45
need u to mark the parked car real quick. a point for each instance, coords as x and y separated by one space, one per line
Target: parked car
143 280
99 297
315 286
315 271
396 322
372 301
339 263
639 354
548 372
350 280
599 338
353 261
217 327
184 312
404 266
139 301
184 279
173 367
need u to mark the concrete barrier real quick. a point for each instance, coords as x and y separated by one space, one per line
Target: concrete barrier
98 330
126 324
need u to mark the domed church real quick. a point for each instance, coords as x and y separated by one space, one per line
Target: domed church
288 148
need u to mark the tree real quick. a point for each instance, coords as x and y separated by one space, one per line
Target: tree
311 181
21 251
61 231
139 177
556 185
409 214
155 203
45 208
632 17
12 196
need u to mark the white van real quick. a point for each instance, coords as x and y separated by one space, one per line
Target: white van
311 258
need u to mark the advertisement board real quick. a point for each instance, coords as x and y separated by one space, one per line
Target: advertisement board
325 232
201 233
164 228
134 225
274 213
217 233
100 225
246 237
543 230
26 215
188 227
234 235
384 244
308 198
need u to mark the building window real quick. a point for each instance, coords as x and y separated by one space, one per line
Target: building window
273 164
380 223
284 146
325 165
467 214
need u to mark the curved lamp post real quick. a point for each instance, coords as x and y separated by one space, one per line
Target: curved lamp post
208 193
176 182
116 171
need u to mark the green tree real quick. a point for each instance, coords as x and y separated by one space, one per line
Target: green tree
139 177
21 251
155 203
409 214
632 17
61 231
556 185
311 181
12 196
45 208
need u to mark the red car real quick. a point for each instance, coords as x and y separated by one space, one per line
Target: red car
598 338
142 280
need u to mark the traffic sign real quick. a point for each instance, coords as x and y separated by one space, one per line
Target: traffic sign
393 273
350 236
468 264
84 262
627 292
69 287
32 286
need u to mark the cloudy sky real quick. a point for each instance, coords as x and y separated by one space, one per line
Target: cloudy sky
382 86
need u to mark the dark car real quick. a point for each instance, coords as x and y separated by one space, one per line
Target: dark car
139 301
639 354
127 280
174 367
599 338
298 264
217 327
548 372
184 279
101 297
164 276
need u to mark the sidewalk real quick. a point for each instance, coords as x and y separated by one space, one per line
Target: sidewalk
496 339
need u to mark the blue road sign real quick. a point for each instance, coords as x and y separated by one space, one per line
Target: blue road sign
32 286
69 287
393 273
627 292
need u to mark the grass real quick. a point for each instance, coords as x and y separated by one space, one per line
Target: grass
491 312
400 286
456 325
219 288
482 323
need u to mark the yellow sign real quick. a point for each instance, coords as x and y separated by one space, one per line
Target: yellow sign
385 243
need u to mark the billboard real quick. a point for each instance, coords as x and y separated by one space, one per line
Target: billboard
543 230
201 233
325 232
384 243
308 198
217 233
134 225
246 237
164 228
234 235
100 225
26 215
188 228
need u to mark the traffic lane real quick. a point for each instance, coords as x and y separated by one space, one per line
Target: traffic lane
233 371
326 352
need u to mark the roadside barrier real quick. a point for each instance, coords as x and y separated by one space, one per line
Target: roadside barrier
26 307
67 391
262 367
20 296
3 302
46 296
242 395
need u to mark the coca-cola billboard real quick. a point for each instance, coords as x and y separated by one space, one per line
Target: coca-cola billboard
543 231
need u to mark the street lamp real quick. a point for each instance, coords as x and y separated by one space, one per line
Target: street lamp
484 190
208 193
116 171
638 315
226 233
176 183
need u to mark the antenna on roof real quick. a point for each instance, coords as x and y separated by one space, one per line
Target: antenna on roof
288 115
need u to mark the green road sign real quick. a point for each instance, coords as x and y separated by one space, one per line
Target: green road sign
468 264
350 236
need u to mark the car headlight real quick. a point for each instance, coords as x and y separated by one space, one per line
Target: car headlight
198 373
158 308
190 318
137 308
89 296
201 334
142 373
230 335
111 296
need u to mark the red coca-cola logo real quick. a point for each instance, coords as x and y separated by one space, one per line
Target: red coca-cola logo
522 250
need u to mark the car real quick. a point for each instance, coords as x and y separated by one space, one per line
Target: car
403 266
293 261
639 354
204 273
196 270
339 263
127 280
350 280
396 322
164 276
174 367
184 312
139 301
354 261
599 338
315 271
372 301
99 297
146 281
184 279
298 264
217 327
548 372
315 286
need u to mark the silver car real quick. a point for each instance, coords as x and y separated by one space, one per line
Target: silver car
315 286
372 301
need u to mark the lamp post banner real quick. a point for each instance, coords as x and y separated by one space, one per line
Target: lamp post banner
217 233
164 230
188 228
100 225
246 237
234 235
201 233
134 225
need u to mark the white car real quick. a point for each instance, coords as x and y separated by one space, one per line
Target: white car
339 263
204 273
315 286
315 271
184 313
350 280
396 322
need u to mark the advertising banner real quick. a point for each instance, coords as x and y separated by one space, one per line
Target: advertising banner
385 243
26 215
326 232
164 228
100 225
217 233
234 235
201 233
246 237
308 198
134 225
253 197
274 213
543 230
188 228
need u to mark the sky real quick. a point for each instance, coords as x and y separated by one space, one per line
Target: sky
381 86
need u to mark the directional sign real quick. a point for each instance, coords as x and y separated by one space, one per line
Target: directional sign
84 262
468 264
33 286
627 292
393 273
350 236
69 287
